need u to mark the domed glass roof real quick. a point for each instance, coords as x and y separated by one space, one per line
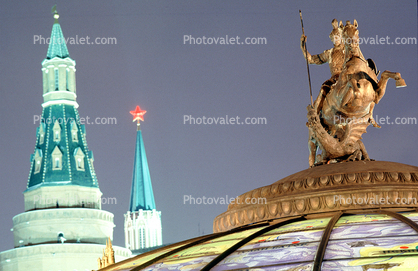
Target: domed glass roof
377 240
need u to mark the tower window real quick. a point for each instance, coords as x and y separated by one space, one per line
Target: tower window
38 161
79 158
41 133
142 237
56 159
56 79
66 76
37 166
74 131
57 131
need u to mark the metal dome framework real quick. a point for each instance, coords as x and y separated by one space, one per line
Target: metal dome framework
358 240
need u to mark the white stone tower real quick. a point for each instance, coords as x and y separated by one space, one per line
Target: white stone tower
63 226
143 229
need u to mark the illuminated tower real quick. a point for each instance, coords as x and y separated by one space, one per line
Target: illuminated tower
63 226
142 222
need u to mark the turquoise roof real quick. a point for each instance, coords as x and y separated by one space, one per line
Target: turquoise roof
66 120
142 196
57 46
60 134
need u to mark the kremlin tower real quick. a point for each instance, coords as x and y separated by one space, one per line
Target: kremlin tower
63 226
143 229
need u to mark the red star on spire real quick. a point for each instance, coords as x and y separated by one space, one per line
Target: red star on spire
138 114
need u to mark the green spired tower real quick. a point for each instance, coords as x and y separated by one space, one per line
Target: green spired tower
61 157
143 229
63 226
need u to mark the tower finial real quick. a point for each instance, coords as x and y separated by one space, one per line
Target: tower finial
138 115
55 12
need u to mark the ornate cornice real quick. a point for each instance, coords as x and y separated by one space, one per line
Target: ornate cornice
63 213
324 189
65 249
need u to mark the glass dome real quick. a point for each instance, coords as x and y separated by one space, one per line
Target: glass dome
377 240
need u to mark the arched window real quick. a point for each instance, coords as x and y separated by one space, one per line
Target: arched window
41 133
79 159
56 159
74 131
37 161
56 79
57 131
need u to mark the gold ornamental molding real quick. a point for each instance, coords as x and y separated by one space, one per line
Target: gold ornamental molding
324 189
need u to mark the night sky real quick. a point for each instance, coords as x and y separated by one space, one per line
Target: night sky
151 66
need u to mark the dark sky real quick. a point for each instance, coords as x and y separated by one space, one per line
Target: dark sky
150 66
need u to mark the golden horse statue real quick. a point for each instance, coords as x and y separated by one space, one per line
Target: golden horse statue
348 107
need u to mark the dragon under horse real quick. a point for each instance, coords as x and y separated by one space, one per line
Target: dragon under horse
348 107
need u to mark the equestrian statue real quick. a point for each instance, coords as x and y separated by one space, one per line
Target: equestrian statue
344 107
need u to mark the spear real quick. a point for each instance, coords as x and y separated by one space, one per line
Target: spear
306 54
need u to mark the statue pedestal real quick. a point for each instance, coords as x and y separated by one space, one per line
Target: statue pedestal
325 190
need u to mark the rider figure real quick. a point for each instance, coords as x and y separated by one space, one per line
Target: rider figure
335 58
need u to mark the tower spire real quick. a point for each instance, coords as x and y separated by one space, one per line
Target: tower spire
57 45
142 222
61 156
62 196
142 196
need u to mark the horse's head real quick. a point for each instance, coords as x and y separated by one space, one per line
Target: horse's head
350 35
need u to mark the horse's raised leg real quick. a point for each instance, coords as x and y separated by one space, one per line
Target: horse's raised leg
383 83
371 120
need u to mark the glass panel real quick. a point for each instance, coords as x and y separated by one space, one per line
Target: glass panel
412 216
285 267
196 257
292 243
272 252
374 235
138 260
372 247
390 263
377 229
352 219
303 225
289 238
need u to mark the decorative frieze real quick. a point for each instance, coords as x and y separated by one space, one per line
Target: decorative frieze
350 186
